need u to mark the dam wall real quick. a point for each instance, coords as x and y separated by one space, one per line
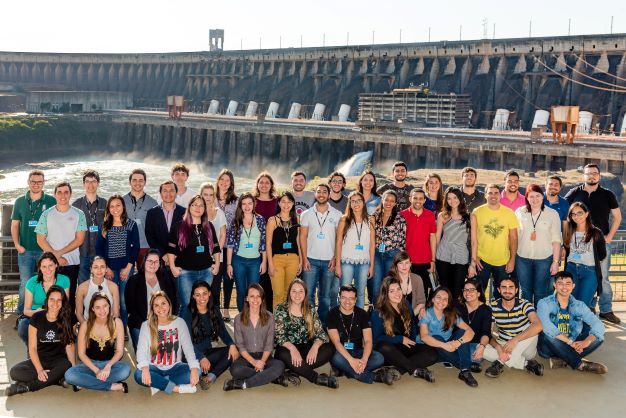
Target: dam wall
521 75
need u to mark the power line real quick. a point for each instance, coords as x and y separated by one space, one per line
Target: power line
598 69
578 82
586 75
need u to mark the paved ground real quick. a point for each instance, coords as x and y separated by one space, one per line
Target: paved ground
559 393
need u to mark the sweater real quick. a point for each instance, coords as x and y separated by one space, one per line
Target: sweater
173 339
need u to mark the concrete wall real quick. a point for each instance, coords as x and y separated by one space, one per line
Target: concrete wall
89 100
499 73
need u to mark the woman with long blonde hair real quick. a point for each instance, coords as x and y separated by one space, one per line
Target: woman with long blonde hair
100 348
163 339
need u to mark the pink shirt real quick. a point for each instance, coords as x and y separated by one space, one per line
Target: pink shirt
513 205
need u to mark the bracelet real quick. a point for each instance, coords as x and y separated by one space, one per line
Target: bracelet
460 340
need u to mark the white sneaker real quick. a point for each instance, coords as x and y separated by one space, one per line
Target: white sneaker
186 389
154 391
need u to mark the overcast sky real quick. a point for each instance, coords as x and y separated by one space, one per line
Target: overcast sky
183 25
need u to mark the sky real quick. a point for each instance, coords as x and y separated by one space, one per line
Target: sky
183 25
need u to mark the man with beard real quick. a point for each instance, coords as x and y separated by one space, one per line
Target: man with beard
304 199
552 199
471 195
494 240
517 328
511 197
403 190
601 203
337 199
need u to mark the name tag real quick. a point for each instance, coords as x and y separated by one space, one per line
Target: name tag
358 247
32 224
576 257
93 228
249 245
286 246
348 345
321 235
381 247
200 249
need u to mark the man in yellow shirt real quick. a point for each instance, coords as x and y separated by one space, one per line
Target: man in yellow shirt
494 240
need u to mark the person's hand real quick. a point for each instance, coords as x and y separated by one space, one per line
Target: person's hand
432 267
194 377
205 365
355 363
407 342
510 266
478 354
63 262
296 357
259 365
579 346
299 272
450 347
229 271
262 268
20 249
331 264
554 268
176 271
510 345
306 266
271 269
109 274
312 355
145 376
124 273
471 271
104 373
215 269
420 311
503 356
338 271
370 271
233 353
42 375
479 265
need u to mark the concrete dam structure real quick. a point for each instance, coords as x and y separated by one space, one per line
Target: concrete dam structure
520 75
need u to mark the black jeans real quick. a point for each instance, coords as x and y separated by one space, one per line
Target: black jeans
407 359
241 369
422 271
25 372
72 273
218 357
216 285
324 354
266 284
452 276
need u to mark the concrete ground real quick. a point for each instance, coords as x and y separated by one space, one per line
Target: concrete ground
559 393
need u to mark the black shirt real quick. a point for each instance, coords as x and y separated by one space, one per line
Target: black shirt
349 327
402 192
479 320
599 204
197 255
100 352
284 235
49 346
474 200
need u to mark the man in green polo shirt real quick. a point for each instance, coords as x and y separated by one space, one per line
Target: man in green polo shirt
26 212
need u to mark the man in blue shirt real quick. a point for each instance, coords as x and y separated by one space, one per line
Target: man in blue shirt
552 199
565 339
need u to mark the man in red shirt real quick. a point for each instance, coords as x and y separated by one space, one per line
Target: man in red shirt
421 241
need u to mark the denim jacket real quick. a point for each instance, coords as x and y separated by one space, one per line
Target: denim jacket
548 310
232 239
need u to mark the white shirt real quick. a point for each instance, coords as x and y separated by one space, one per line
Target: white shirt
547 231
322 228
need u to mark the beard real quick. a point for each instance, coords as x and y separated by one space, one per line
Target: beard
591 183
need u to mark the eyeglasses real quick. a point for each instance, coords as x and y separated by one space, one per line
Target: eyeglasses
197 205
577 214
36 183
356 202
152 261
469 290
336 182
593 173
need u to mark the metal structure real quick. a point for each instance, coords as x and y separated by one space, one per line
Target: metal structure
175 106
564 115
216 39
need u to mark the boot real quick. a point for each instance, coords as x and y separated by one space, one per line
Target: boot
383 376
232 384
326 380
425 374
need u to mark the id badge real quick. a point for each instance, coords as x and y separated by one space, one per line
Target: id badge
348 345
93 228
249 245
321 235
286 246
359 247
32 224
381 247
576 257
533 236
200 249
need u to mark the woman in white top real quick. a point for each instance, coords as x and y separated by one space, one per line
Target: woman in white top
539 245
216 215
354 248
97 283
162 341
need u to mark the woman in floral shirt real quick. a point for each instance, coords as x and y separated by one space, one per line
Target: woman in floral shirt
390 230
301 341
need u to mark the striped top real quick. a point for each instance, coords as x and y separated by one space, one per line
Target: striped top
514 322
453 247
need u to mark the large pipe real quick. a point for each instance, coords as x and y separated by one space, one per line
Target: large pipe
541 118
251 109
214 107
585 119
501 121
318 111
272 110
344 113
294 112
232 108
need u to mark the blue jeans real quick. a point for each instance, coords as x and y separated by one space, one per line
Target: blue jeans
246 272
122 286
185 282
462 357
551 347
319 277
586 282
497 272
382 264
81 375
27 265
473 347
534 277
166 380
606 297
134 337
84 271
22 328
358 274
375 361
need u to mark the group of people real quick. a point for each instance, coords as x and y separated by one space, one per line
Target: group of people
423 257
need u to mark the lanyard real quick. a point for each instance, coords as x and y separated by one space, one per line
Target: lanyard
286 230
321 224
142 198
248 232
534 221
37 206
92 215
358 231
348 332
198 232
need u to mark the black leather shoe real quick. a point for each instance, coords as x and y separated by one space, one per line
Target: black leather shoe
233 384
466 376
534 367
610 317
475 368
281 380
16 389
495 369
124 387
425 374
326 380
383 376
